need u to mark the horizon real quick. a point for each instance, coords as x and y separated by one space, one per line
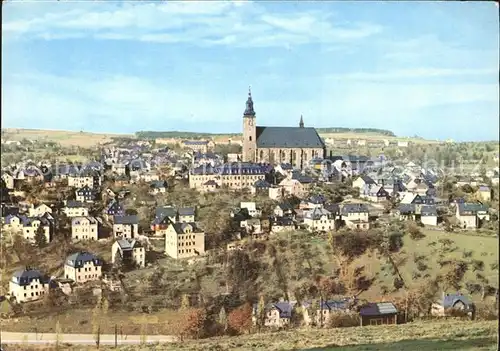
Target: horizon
175 66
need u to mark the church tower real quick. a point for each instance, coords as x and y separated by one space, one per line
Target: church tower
249 131
301 123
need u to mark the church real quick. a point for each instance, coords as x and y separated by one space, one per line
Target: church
276 145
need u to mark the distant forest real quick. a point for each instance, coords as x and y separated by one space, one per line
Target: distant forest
195 135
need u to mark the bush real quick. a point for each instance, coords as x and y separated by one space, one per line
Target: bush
343 320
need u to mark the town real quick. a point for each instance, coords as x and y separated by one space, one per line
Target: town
270 229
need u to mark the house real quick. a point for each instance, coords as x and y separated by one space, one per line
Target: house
31 225
277 315
209 186
484 193
362 181
294 187
276 192
28 285
90 179
284 169
75 209
253 210
378 313
260 187
252 226
355 216
406 212
428 215
126 227
186 214
279 224
39 210
85 194
449 302
118 168
158 187
315 201
469 214
284 209
375 193
130 252
319 219
113 208
82 267
9 180
326 309
183 240
85 228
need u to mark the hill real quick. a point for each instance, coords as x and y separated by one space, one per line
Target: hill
63 137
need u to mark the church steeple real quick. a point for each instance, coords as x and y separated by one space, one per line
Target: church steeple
249 111
301 123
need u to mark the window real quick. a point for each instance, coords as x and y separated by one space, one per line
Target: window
250 138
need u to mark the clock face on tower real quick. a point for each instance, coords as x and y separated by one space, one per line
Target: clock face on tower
250 122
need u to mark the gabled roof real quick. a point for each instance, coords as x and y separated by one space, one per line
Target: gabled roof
78 220
288 137
186 211
316 213
406 208
126 244
282 221
261 184
367 179
472 208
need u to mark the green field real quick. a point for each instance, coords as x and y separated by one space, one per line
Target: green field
429 336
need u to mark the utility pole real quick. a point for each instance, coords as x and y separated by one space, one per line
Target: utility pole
116 336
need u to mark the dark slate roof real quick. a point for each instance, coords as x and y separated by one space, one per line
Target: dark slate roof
74 204
302 178
406 208
285 308
354 208
428 211
378 309
210 182
367 179
126 245
186 211
180 227
332 208
261 184
474 208
158 184
282 221
288 137
336 305
285 206
24 277
133 219
286 166
317 199
77 260
165 211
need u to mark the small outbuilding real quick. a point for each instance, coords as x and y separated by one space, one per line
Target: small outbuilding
378 313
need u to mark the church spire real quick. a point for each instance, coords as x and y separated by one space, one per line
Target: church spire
301 123
249 111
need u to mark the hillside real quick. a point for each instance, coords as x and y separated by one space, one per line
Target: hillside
63 137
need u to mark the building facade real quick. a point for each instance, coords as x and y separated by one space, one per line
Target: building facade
84 228
232 175
275 145
83 267
28 285
183 240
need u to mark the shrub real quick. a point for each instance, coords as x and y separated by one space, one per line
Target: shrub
343 320
240 319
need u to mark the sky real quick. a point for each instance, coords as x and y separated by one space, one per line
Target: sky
416 68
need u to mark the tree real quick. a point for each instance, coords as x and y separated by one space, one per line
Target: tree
192 324
40 238
223 319
261 312
240 319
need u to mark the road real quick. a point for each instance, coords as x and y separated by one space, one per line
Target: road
81 339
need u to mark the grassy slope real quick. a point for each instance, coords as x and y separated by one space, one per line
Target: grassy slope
429 336
65 138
